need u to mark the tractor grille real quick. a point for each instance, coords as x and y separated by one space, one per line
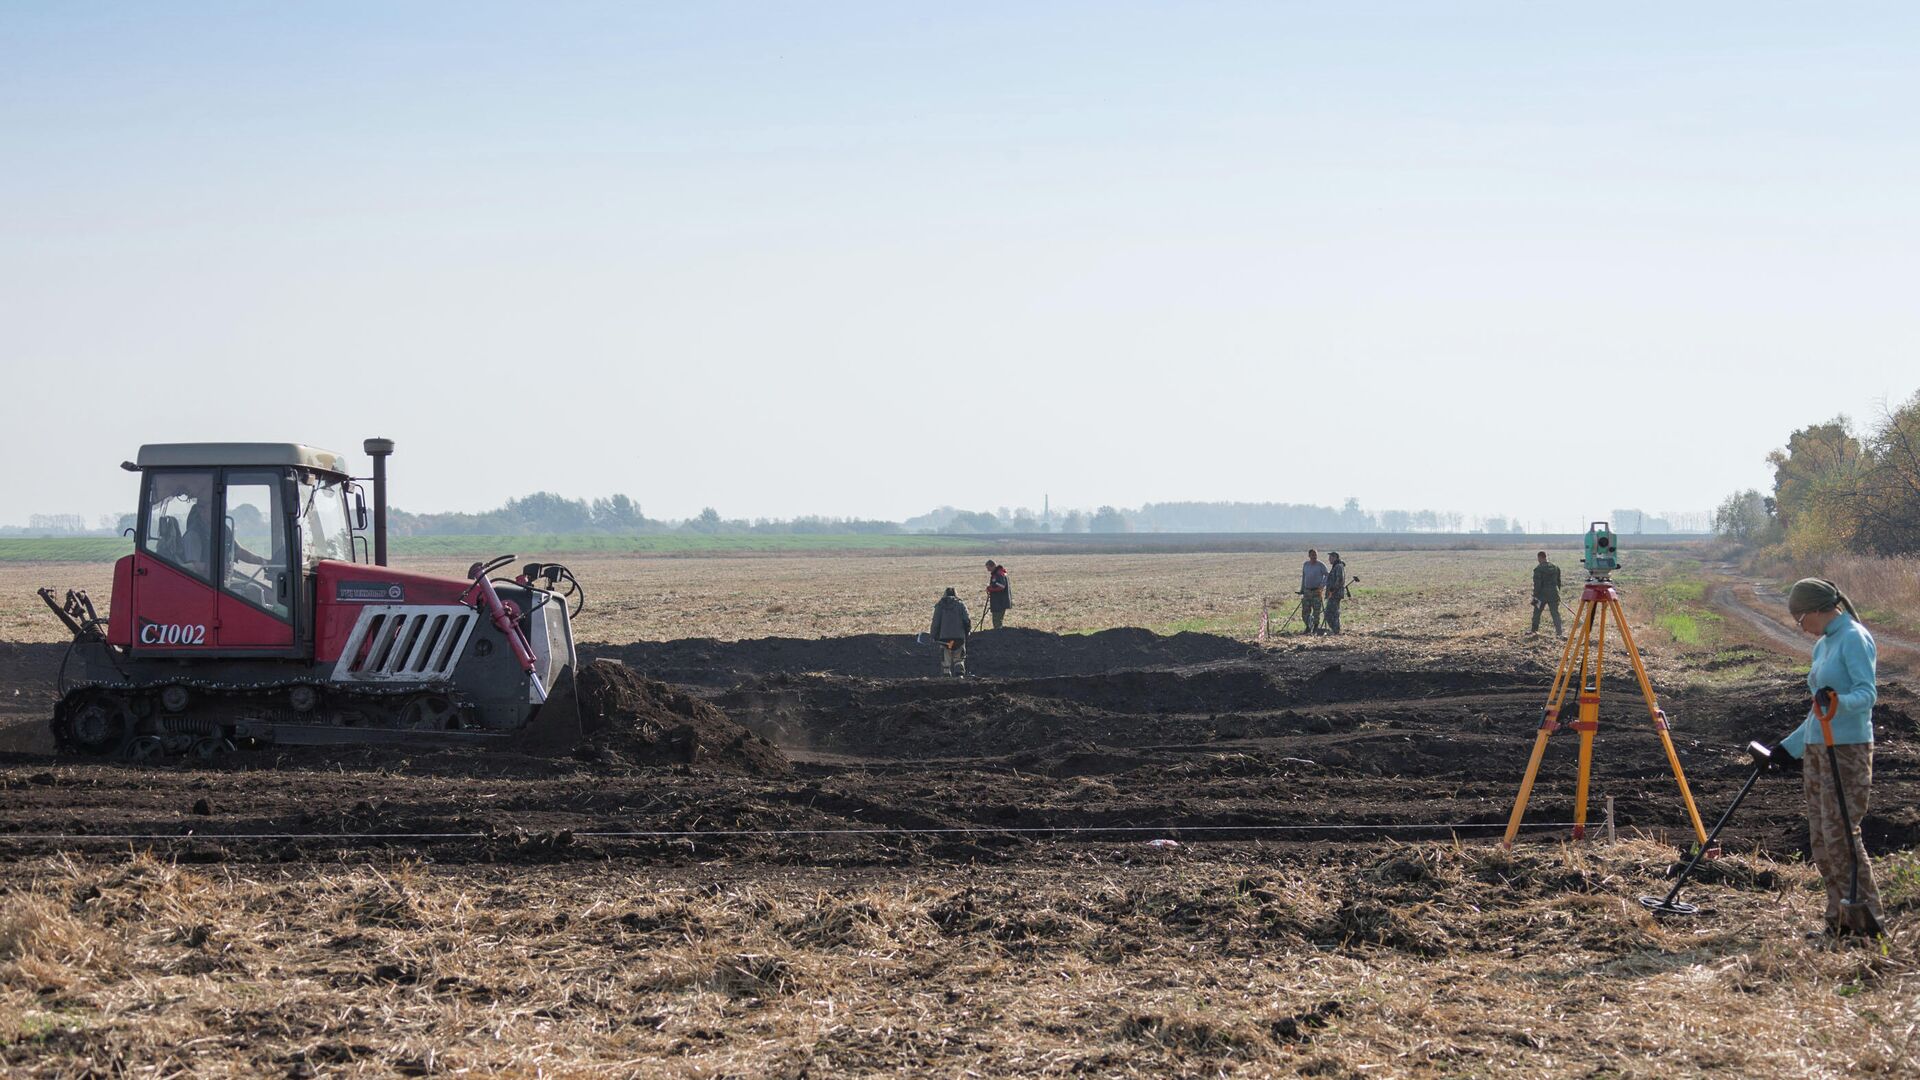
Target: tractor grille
405 643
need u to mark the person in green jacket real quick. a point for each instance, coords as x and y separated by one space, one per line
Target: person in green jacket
1845 663
1546 593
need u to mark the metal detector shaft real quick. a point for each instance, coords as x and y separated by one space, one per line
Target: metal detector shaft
1701 851
1288 621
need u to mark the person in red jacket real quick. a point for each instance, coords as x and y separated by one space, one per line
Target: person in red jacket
999 592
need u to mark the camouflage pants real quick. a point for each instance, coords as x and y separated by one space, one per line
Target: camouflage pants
999 616
1830 839
1310 610
953 661
1539 605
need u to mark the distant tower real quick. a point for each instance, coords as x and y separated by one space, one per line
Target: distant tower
1046 509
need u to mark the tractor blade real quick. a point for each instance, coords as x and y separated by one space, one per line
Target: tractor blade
556 728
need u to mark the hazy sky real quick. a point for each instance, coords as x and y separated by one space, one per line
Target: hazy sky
863 259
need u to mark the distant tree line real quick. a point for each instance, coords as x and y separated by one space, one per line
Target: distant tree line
1210 517
1836 491
543 512
546 513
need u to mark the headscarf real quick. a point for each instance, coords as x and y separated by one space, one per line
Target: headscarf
1816 594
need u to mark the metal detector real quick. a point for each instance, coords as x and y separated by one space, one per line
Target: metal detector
1762 758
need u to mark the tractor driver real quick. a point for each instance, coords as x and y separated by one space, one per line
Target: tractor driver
196 540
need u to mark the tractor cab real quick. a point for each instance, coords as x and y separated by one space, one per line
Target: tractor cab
228 543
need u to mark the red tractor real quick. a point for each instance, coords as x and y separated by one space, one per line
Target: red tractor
252 612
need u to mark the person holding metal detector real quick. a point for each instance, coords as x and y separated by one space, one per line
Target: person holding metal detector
951 625
1313 587
1839 782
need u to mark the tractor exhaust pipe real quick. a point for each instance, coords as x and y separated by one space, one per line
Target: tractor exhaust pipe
379 450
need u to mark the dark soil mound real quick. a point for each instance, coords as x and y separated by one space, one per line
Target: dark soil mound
1008 652
645 722
940 718
27 673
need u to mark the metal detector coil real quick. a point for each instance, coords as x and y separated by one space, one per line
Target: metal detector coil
1762 757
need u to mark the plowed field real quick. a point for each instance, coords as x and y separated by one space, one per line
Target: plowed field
1129 851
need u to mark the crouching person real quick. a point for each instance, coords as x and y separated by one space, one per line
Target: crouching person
951 625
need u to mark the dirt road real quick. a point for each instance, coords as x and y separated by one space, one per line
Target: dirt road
1760 608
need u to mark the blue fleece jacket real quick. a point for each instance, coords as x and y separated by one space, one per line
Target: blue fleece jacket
1845 659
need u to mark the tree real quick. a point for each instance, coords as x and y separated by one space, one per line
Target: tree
1073 522
1354 519
1746 518
1107 520
543 511
1889 491
708 521
971 521
1816 481
617 514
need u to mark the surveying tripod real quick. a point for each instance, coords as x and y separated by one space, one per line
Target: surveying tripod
1598 602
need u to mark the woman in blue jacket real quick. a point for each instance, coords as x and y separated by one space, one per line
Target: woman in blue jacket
1844 660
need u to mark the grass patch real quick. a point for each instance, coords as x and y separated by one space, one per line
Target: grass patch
1677 601
1228 627
1681 626
35 1026
109 548
1898 876
64 548
685 544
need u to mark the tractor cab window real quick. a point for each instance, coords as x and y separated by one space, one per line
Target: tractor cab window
253 556
178 523
324 532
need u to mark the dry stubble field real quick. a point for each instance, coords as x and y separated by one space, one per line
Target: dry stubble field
1343 954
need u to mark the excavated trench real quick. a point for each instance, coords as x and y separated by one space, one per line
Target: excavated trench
788 750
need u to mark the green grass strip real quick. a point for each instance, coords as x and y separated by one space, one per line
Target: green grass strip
109 548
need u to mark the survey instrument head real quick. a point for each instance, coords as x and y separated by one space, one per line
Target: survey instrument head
1602 557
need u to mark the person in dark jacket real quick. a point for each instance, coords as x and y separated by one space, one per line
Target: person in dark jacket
951 625
1336 591
999 592
1546 593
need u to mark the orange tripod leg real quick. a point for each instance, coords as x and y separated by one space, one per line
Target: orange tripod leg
1588 725
1526 783
1550 723
1659 717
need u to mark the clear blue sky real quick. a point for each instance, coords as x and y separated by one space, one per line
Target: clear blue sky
862 259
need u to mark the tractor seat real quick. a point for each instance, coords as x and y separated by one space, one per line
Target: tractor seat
169 545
